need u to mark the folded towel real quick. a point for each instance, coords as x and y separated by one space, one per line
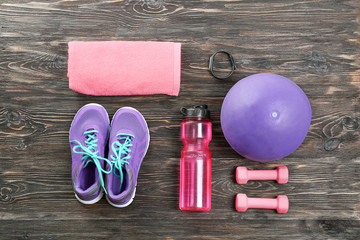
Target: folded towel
124 68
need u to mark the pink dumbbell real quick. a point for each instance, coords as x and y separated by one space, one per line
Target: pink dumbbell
280 174
281 203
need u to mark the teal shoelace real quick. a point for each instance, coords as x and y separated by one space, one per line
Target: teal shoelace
91 155
121 149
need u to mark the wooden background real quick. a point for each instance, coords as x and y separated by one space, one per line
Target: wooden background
314 43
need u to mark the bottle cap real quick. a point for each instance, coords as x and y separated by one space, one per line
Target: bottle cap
196 111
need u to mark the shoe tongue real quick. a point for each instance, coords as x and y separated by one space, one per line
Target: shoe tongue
90 128
87 136
116 189
124 133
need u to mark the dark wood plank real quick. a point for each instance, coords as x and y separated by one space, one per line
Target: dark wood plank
314 43
184 229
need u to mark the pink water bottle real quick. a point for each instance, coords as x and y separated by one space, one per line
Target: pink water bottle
195 163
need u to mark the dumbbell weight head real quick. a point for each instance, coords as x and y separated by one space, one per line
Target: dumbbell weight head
283 204
241 175
283 174
241 202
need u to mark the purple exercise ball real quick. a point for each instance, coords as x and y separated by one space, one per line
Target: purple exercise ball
265 117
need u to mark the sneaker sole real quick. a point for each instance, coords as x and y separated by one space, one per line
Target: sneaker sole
95 200
147 147
122 205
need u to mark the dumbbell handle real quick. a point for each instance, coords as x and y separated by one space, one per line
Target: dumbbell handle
265 203
262 174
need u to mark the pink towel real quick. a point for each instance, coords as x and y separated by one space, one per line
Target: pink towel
124 68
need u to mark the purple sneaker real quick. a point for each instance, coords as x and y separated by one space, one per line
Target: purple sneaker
128 143
88 137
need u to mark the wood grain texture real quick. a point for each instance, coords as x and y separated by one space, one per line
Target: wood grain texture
314 43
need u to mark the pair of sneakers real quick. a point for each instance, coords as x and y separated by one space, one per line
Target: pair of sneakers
125 140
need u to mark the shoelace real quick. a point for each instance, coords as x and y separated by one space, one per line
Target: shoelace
121 151
91 155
